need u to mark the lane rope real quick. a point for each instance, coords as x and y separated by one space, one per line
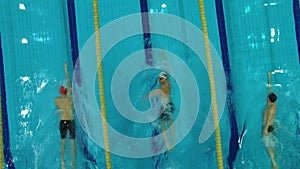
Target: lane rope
101 85
212 85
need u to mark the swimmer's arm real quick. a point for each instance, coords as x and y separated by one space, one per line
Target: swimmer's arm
155 92
68 79
265 117
149 95
269 80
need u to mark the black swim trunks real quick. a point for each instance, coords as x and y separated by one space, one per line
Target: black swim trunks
66 125
166 115
271 129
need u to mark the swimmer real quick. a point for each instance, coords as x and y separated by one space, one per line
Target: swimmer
268 135
167 109
64 104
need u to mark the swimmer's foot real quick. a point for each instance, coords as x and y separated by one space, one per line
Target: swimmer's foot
174 145
63 164
168 146
171 149
274 166
73 164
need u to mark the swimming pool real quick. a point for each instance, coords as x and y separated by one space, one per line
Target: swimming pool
250 38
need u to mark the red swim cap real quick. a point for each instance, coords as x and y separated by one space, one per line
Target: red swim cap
63 90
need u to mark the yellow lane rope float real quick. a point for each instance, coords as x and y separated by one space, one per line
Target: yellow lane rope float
101 85
212 86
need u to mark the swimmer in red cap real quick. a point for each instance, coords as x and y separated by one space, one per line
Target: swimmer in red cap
64 104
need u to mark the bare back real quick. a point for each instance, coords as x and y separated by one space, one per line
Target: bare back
64 104
269 114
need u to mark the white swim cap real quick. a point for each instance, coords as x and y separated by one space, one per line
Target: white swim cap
163 75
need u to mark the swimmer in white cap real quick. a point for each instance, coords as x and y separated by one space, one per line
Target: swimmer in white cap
163 75
166 113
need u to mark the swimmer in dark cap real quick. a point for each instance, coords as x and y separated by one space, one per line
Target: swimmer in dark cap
268 135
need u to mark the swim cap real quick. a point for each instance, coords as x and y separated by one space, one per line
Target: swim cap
63 90
272 97
163 75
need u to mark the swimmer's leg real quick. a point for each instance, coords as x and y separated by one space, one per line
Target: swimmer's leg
163 129
63 143
271 153
170 123
73 155
73 146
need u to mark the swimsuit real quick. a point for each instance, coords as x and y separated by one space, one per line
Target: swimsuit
64 125
168 110
270 140
271 128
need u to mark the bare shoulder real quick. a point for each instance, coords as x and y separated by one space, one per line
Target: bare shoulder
57 99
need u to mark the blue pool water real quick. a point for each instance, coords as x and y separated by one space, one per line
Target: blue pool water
248 39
